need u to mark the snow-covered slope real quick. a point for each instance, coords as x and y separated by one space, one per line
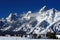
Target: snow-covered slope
39 22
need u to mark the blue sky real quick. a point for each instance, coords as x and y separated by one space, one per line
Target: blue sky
20 6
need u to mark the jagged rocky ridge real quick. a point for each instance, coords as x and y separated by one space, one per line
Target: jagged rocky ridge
39 22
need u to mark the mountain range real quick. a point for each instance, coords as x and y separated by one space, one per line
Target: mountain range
39 22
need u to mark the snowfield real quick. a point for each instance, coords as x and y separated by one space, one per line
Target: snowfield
19 38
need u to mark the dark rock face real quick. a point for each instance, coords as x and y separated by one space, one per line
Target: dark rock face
1 24
44 24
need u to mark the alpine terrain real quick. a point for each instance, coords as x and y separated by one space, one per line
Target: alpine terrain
28 24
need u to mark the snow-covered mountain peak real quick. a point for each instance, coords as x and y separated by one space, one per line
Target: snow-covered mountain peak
28 15
42 9
12 17
29 12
